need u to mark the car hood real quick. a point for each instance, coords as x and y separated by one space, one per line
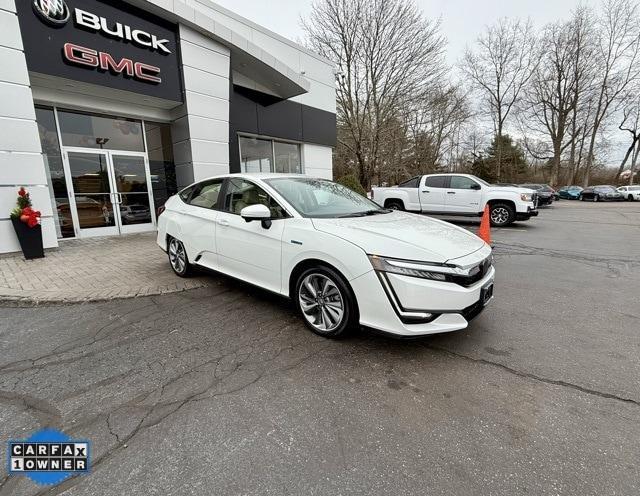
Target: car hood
404 236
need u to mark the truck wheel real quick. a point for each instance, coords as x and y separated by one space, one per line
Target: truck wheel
630 198
395 205
502 214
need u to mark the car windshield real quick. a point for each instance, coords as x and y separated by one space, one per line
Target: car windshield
532 186
320 198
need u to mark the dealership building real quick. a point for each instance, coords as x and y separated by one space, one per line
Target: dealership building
109 107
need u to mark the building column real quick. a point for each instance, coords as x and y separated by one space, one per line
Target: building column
21 160
200 131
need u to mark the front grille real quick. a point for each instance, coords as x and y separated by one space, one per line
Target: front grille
477 274
471 312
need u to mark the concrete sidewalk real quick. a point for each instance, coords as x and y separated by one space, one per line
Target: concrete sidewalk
93 269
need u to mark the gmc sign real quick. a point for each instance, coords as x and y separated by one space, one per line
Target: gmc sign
103 42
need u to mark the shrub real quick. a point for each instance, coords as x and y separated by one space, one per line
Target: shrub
351 181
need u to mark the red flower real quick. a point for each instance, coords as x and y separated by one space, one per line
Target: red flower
22 192
33 221
27 211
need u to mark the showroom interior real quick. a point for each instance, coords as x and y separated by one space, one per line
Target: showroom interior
110 107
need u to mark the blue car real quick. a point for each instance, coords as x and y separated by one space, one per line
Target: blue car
570 192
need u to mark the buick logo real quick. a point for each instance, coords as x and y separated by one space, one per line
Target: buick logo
54 12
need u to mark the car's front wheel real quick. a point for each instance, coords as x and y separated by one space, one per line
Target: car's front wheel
325 302
178 258
630 198
502 214
395 205
596 198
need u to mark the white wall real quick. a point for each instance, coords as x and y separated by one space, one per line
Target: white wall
21 160
317 160
318 71
201 134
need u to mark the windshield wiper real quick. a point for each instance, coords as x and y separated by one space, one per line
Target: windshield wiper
366 213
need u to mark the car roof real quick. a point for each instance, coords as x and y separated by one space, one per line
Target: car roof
256 175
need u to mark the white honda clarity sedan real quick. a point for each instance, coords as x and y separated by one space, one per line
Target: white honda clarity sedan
341 258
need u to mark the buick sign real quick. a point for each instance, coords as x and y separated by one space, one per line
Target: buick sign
107 43
54 12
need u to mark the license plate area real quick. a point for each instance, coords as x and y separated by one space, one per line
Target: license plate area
486 293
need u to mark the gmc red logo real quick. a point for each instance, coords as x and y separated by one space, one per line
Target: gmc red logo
80 55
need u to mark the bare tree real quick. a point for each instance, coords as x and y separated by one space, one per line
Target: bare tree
631 124
386 54
500 66
434 122
618 51
551 96
583 68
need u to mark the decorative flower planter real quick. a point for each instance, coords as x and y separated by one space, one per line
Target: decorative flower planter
30 239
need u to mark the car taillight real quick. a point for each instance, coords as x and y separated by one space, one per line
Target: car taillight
160 210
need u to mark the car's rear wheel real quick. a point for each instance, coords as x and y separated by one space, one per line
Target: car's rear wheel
395 205
325 302
502 214
178 258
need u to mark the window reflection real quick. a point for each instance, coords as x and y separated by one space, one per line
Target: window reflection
161 163
93 131
256 155
55 172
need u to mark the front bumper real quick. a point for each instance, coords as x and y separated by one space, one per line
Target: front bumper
451 305
531 212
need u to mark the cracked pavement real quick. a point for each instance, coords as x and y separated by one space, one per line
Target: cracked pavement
222 390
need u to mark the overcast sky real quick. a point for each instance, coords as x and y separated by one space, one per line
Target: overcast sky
462 22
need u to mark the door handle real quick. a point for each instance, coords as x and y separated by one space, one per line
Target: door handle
223 222
425 191
451 192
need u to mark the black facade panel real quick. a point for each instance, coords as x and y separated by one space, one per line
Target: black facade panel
253 112
319 126
45 41
281 120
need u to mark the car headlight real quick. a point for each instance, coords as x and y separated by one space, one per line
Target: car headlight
526 197
423 270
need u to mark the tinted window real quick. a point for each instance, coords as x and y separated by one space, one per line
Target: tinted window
205 194
437 181
57 180
319 198
241 194
411 183
94 131
461 182
185 194
287 157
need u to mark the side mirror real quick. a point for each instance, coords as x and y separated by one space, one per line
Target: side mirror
476 187
257 212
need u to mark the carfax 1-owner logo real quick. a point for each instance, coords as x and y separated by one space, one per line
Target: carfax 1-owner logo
48 457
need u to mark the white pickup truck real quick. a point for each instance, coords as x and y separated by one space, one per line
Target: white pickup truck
459 195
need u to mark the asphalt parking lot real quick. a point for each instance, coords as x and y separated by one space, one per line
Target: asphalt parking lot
222 390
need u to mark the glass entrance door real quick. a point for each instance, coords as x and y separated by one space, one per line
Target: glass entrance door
132 188
111 193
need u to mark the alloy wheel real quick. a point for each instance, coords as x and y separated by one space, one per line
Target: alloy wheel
177 256
321 302
499 215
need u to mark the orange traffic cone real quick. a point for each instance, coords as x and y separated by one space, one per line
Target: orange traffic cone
485 226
